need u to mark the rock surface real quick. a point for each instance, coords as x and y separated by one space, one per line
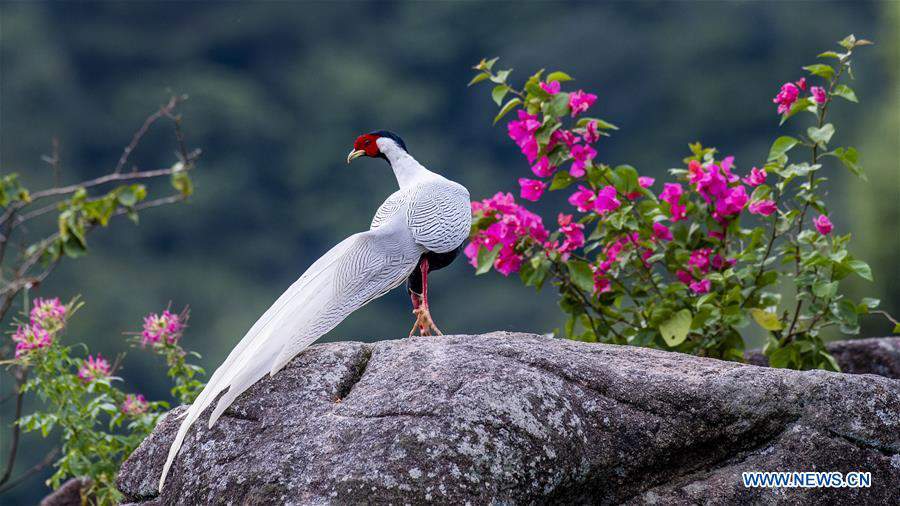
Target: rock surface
517 418
877 355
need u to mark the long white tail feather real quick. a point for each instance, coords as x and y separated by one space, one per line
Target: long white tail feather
304 312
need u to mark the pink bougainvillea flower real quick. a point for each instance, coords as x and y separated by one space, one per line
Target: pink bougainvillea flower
591 132
823 224
508 261
551 88
645 182
135 405
579 101
161 328
718 262
786 97
562 136
606 200
581 155
94 369
573 232
522 132
756 177
733 202
48 313
543 168
662 232
763 207
700 259
671 194
802 83
684 276
601 282
31 337
700 286
818 94
531 189
583 199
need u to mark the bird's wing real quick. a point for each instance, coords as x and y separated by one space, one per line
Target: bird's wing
356 271
440 215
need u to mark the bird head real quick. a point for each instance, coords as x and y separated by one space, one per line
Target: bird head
372 144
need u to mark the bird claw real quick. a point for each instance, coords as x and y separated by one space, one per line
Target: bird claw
424 323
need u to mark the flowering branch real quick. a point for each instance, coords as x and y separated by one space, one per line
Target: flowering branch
679 269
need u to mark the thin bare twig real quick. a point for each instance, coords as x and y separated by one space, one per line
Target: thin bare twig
164 111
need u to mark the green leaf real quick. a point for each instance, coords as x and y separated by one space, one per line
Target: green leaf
821 70
830 54
626 179
861 268
781 146
499 92
582 275
675 330
896 329
804 104
561 180
500 76
850 158
846 92
486 258
822 135
601 124
765 319
558 76
512 104
558 105
478 78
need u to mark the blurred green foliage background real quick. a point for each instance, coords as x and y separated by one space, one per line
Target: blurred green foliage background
279 91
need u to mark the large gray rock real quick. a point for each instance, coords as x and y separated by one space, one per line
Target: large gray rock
518 418
876 355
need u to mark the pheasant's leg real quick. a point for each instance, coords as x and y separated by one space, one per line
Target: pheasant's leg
423 314
416 304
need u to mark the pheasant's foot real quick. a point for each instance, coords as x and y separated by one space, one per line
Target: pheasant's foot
424 322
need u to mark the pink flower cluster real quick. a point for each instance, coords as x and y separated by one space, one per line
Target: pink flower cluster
700 263
603 201
790 93
522 132
513 222
94 368
823 224
719 187
48 313
135 405
573 233
580 101
165 328
611 254
31 337
671 195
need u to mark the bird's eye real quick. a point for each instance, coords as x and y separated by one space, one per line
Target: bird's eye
367 142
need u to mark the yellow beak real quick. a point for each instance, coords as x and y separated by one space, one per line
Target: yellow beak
356 153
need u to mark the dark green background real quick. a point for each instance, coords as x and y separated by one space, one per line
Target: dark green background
279 91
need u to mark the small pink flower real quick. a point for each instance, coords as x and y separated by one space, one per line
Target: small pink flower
763 207
562 136
700 259
531 189
522 132
733 202
135 405
543 168
601 282
591 132
786 97
551 88
818 94
579 101
701 286
164 328
684 276
802 83
823 224
756 177
606 200
662 232
573 232
645 182
508 261
31 337
48 313
582 155
672 194
93 369
583 199
718 262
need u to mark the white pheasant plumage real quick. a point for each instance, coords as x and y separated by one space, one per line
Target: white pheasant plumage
429 214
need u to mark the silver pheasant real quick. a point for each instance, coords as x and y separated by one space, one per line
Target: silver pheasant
418 229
